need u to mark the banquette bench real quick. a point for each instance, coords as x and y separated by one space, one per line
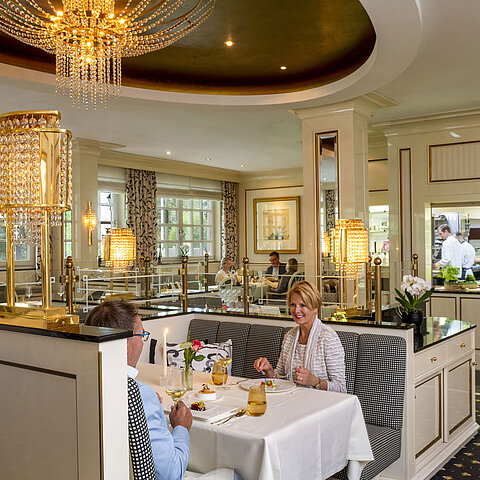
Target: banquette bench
375 372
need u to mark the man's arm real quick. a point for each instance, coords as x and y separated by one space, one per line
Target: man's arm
170 450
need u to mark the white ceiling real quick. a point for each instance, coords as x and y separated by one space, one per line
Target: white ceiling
426 61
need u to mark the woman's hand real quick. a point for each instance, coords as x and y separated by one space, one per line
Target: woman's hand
263 364
306 377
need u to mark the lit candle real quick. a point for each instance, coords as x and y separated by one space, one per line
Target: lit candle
165 352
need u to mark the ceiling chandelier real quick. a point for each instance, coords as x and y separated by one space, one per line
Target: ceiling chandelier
90 37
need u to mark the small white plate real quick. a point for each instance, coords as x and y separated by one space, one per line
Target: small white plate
280 386
196 397
214 412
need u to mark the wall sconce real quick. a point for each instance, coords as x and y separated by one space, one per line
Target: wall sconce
89 221
326 244
119 247
35 186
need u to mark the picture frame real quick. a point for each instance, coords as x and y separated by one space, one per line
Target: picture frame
276 224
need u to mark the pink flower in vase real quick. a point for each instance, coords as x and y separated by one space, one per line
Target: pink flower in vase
196 346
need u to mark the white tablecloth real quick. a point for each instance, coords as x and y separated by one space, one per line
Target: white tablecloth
305 434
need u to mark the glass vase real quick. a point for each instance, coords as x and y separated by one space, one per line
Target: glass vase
187 378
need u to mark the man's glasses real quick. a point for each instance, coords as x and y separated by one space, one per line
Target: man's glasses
145 335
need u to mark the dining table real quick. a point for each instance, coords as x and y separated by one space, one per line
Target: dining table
304 434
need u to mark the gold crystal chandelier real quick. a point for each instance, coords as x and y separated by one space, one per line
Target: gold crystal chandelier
90 37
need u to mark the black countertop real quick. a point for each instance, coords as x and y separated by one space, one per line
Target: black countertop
463 291
80 332
437 329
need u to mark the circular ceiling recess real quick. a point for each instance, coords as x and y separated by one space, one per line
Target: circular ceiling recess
318 41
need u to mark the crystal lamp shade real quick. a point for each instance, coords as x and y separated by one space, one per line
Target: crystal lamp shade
349 245
35 172
119 249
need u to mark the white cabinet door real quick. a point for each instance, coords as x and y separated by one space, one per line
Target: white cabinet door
428 414
458 396
470 312
443 306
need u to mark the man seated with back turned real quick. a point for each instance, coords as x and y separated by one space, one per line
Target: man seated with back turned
276 268
170 450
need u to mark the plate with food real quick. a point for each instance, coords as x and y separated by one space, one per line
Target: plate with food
210 412
272 385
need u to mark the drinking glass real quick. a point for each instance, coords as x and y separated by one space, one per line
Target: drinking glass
257 401
175 389
219 372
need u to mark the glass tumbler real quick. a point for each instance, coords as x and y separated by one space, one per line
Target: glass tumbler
257 400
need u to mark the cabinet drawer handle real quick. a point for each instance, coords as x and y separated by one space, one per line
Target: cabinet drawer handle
433 359
474 363
462 345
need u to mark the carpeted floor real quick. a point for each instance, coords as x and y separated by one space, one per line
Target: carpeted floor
466 463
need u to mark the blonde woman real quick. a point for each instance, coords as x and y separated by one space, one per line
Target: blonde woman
312 354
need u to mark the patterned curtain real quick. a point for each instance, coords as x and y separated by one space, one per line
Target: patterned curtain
230 221
141 190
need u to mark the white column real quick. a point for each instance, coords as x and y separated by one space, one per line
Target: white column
350 120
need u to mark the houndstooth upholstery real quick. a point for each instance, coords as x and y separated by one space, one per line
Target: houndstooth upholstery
380 379
140 447
386 446
350 346
263 341
238 332
203 330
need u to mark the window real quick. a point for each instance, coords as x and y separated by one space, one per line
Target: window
23 253
105 212
67 233
187 223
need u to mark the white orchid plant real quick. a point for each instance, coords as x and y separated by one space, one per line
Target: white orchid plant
414 290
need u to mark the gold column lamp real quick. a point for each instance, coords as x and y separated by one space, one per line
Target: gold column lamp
35 186
89 221
349 251
119 248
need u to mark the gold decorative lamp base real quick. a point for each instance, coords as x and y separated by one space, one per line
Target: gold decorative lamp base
36 317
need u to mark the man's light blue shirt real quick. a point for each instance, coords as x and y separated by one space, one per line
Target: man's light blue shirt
170 450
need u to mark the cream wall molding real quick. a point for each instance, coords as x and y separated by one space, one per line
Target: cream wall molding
453 120
164 165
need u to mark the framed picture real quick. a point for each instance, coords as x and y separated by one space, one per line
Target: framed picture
277 225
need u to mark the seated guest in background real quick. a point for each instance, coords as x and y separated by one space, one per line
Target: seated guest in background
170 450
282 285
312 354
276 268
225 271
468 256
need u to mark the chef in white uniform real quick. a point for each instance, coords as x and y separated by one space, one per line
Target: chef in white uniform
451 249
468 255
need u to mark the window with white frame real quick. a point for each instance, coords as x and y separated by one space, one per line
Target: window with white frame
24 254
105 215
67 234
186 223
